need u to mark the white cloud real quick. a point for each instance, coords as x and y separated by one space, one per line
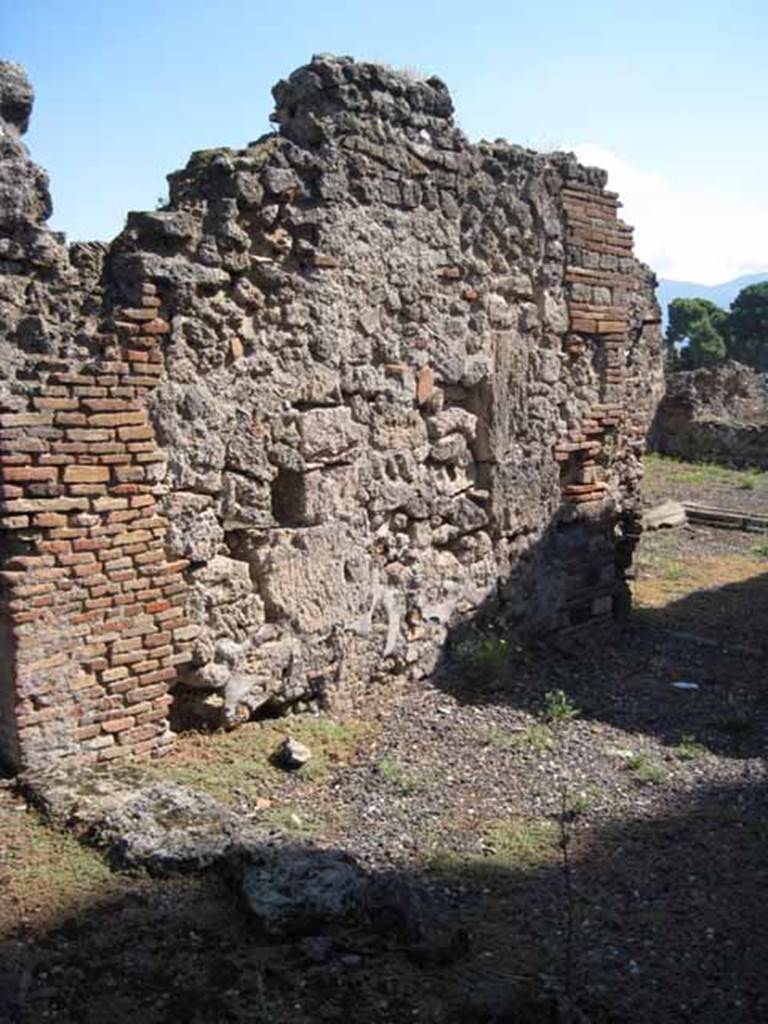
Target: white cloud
687 234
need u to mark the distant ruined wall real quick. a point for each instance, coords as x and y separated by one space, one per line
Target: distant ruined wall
354 385
714 414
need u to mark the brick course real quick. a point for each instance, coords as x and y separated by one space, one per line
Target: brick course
76 571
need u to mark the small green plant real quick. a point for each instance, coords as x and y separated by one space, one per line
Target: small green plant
486 654
761 549
689 749
581 800
647 772
538 737
557 707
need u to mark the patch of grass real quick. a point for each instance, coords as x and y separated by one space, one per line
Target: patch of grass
557 708
398 776
524 842
647 771
673 571
760 549
237 764
581 799
511 845
42 869
501 739
537 736
689 749
728 616
665 469
331 742
296 824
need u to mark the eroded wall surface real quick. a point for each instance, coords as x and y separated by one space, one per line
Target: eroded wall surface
355 384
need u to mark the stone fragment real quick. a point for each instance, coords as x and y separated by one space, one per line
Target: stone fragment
16 96
667 514
425 380
328 434
296 892
141 821
292 754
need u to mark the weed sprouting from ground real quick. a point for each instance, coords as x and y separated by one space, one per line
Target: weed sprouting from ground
538 737
557 708
581 799
647 772
689 749
674 571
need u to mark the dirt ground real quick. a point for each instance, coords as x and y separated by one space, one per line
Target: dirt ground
573 822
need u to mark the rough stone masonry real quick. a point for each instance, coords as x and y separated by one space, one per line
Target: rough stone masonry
356 384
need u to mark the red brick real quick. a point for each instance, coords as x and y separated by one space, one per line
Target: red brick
118 724
86 474
156 326
26 419
144 731
144 693
117 419
86 732
30 473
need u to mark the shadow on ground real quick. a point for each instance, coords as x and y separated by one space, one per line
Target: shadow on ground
625 675
668 923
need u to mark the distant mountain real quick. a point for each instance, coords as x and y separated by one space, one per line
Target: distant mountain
721 294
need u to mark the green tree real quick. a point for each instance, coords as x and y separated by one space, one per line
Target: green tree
706 346
748 326
700 327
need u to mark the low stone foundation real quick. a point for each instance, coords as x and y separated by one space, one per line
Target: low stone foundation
355 384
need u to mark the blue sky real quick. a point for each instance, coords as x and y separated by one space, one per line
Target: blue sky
670 97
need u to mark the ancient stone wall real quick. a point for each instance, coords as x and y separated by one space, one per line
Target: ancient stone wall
356 384
714 414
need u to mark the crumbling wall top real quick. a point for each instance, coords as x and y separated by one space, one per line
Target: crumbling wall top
16 97
330 93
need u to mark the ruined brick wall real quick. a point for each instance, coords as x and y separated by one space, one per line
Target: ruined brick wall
92 621
356 384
